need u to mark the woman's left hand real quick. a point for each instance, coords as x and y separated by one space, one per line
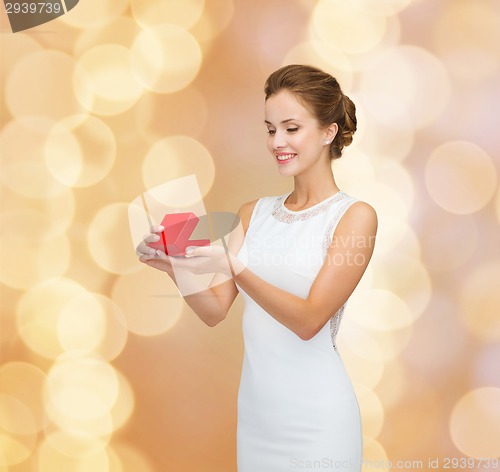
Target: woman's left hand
203 260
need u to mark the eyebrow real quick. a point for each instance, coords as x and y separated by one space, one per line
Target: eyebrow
283 122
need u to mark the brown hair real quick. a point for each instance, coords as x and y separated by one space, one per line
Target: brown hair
321 94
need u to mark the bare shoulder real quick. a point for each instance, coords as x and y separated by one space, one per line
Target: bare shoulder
245 213
360 216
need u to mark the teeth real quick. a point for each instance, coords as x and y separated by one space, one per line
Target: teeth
284 157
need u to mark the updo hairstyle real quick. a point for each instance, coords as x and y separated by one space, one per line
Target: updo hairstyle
321 94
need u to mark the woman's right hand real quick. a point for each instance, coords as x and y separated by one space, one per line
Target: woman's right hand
154 257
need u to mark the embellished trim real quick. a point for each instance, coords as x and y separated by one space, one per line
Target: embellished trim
284 215
334 325
257 208
333 223
337 318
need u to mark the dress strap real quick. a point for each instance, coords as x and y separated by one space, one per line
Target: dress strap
339 212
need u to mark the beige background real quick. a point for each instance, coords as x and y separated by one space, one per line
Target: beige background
103 367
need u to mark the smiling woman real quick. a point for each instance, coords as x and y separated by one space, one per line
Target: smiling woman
296 262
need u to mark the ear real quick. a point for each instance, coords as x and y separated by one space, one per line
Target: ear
331 132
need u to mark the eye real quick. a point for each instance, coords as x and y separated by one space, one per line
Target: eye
271 131
292 130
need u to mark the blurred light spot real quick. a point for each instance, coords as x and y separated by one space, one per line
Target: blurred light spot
160 115
81 324
47 259
460 177
457 27
480 298
396 235
472 65
426 350
40 84
379 310
92 14
76 444
374 454
152 13
99 427
475 423
125 402
22 159
406 277
486 372
25 382
354 171
82 387
15 418
324 56
150 301
215 19
51 217
498 205
391 387
384 7
17 430
108 77
13 48
361 354
334 22
115 464
109 242
372 411
79 152
448 241
122 31
178 156
132 459
397 177
166 58
391 39
383 141
116 330
50 460
419 413
405 87
38 313
392 343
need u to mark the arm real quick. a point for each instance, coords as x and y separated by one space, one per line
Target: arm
210 304
332 286
213 304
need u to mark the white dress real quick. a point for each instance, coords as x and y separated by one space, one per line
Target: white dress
296 405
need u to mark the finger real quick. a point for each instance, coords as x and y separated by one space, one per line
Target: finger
146 257
198 251
157 229
161 254
149 238
143 248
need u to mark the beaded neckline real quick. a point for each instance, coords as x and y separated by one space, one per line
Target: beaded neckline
283 214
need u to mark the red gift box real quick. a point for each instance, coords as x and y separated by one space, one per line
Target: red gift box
174 239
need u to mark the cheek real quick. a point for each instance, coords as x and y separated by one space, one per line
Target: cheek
270 143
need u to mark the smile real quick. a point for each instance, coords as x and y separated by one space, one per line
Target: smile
284 158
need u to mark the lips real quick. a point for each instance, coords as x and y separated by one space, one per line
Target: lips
284 158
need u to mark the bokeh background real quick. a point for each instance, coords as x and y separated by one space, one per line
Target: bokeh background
103 367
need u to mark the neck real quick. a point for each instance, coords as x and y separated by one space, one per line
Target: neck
313 187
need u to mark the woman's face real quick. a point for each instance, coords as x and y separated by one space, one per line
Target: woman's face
295 140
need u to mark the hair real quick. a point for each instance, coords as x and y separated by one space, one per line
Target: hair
321 94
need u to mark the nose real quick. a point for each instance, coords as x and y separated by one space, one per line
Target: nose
279 141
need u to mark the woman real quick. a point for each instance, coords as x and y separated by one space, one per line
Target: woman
302 255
